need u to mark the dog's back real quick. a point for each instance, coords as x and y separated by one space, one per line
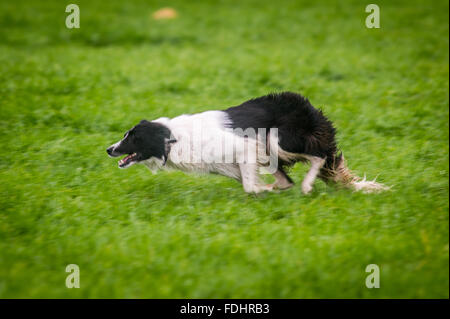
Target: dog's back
302 129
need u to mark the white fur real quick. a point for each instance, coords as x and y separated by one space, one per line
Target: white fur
316 164
369 186
199 147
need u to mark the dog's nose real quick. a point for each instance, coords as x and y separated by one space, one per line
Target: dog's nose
109 150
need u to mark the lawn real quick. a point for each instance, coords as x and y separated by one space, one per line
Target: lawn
67 94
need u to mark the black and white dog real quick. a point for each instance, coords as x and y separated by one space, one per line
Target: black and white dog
262 135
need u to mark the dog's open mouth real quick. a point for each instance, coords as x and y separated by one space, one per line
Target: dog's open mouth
127 160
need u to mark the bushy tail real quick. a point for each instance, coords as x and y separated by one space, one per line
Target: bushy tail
335 170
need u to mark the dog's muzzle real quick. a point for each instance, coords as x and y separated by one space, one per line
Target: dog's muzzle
112 150
128 160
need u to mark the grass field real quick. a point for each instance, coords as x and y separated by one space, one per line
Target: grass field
67 94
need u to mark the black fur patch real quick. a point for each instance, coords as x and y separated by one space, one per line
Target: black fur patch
302 128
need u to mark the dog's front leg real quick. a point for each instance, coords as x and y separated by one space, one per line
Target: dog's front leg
250 179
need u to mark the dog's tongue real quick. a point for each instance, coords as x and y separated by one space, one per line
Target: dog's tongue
126 159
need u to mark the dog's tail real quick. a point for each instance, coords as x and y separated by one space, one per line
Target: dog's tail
335 170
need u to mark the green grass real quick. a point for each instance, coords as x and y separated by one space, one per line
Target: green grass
65 95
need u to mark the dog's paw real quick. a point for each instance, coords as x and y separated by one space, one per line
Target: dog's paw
306 188
256 189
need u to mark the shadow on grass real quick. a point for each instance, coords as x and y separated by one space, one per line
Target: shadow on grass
96 40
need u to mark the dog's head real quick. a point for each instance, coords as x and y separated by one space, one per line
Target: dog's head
142 142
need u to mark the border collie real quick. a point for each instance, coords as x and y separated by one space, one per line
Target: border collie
265 135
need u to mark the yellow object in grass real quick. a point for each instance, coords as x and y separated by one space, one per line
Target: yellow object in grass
165 13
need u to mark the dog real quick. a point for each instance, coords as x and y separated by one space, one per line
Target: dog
264 135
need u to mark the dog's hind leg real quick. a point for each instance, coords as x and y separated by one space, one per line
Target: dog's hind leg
316 164
282 180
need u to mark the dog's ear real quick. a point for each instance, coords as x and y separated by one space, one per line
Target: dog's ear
167 145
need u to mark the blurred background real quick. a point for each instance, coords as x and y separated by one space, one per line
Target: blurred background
67 94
